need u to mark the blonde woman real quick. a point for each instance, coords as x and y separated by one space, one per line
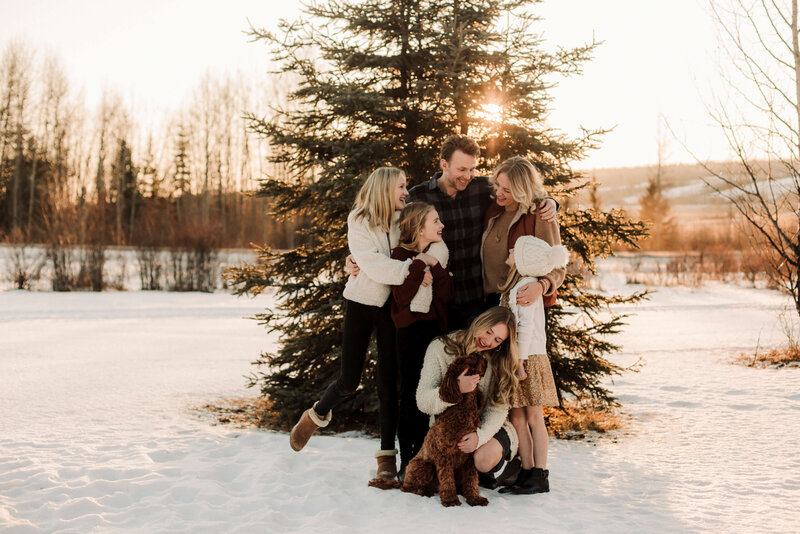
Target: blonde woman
372 232
493 334
519 192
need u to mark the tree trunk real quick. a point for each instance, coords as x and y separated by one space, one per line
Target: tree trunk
206 203
32 193
6 113
220 196
119 180
796 288
99 179
17 180
796 54
134 189
32 186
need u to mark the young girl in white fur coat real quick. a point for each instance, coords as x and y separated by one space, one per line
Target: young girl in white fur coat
531 258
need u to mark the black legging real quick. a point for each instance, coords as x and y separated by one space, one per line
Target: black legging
359 322
412 342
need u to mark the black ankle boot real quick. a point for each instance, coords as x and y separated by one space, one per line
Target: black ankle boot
537 482
510 474
522 477
485 480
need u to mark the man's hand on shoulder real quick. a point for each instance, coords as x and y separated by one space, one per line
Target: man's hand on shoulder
547 210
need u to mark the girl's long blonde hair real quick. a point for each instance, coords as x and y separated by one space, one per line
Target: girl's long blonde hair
375 199
505 288
525 182
412 219
502 358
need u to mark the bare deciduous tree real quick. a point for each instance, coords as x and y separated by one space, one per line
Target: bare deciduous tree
654 206
51 117
15 73
760 118
67 180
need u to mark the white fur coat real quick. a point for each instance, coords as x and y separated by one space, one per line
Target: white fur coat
421 302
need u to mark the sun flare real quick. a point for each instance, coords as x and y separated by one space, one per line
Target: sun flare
491 112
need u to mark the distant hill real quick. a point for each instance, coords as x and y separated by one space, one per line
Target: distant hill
622 187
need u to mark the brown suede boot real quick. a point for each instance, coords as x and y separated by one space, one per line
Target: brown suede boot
308 424
386 476
387 466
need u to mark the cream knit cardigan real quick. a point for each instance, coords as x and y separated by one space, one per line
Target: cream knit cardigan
372 247
428 400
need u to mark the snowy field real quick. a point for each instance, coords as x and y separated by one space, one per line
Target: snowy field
99 431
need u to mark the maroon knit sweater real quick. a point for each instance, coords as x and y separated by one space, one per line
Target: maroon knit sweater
443 291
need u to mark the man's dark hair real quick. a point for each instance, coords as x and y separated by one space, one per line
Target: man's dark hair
465 144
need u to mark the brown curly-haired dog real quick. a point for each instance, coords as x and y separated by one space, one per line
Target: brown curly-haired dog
440 458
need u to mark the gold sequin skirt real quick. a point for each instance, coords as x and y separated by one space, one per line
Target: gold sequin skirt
539 388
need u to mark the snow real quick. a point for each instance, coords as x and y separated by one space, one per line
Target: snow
701 194
694 192
100 433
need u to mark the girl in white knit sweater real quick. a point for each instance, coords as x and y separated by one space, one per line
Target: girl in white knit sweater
493 334
372 232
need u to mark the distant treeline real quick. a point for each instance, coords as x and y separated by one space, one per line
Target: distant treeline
95 177
677 173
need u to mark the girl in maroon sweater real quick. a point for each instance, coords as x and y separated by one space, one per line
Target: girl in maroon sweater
419 313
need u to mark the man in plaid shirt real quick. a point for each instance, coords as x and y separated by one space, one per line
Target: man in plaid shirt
462 199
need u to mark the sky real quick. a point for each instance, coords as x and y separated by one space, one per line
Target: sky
656 63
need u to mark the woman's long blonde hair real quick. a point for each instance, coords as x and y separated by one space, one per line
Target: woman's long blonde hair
525 182
412 219
375 199
502 358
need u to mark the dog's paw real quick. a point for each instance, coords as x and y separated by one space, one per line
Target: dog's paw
384 483
417 490
451 502
478 501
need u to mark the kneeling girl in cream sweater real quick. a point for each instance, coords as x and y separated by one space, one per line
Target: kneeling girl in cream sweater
493 334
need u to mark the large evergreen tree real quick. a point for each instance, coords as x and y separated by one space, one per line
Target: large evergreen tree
384 82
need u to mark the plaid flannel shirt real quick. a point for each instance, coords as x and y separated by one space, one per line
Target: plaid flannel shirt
462 217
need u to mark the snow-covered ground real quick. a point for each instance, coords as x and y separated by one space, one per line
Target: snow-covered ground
98 431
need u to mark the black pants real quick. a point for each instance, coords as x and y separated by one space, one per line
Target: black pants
359 322
492 299
412 342
460 316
